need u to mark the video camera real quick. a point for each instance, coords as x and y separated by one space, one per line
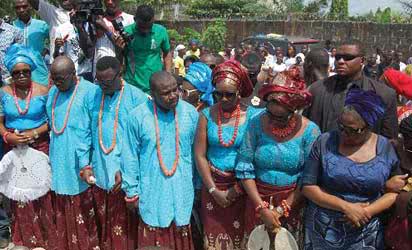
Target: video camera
118 26
87 11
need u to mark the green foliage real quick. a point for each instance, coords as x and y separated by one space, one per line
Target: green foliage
7 8
384 16
224 8
174 34
214 36
189 34
294 5
339 10
315 6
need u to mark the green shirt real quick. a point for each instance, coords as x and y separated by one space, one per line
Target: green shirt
143 57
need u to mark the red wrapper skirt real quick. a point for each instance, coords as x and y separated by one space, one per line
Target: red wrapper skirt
76 222
223 228
117 224
276 194
171 238
33 223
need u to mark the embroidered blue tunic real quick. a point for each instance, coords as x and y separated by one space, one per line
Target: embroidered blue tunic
162 199
35 33
106 166
352 182
275 163
70 151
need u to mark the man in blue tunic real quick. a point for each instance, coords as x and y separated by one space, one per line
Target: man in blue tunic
35 32
157 165
111 105
69 120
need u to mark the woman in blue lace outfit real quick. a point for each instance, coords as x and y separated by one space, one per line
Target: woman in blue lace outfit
270 160
344 179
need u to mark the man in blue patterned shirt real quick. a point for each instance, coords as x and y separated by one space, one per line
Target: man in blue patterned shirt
35 32
8 36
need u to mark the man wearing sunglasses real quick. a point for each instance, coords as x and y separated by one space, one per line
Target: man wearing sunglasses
110 109
69 152
329 94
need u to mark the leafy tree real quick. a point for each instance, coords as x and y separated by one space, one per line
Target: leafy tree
7 7
214 36
189 34
386 16
225 8
295 5
174 34
339 10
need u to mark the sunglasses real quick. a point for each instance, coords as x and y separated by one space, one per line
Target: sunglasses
186 92
219 95
106 82
18 73
350 130
345 57
62 79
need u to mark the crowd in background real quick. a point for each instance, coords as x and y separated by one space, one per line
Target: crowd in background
144 141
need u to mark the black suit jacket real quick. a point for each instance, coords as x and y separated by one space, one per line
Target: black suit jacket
329 98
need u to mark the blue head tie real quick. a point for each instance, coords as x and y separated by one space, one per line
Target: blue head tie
200 76
18 53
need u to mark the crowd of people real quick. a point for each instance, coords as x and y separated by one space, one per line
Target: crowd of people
137 140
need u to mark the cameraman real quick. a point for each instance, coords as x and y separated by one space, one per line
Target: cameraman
54 16
65 37
105 37
144 52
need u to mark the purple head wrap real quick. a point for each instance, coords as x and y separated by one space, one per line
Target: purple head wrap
367 103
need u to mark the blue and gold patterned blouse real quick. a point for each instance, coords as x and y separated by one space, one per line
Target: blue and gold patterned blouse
275 163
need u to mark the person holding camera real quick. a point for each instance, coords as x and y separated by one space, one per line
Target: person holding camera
73 41
68 34
54 16
105 45
144 50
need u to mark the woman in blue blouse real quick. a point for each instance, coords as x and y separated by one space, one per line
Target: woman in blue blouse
219 135
271 157
344 179
23 120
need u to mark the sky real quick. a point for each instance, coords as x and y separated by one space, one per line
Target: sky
359 7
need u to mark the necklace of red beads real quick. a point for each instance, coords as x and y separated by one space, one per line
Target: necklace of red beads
66 118
116 122
165 171
227 116
286 131
27 99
